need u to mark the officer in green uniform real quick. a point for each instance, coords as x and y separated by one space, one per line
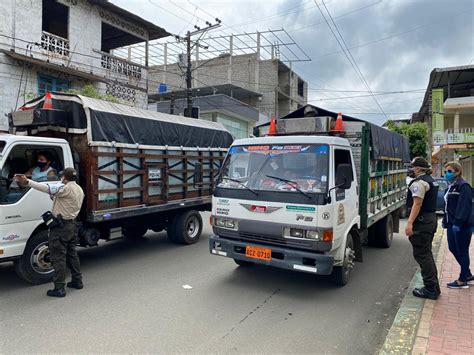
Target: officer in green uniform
67 202
422 224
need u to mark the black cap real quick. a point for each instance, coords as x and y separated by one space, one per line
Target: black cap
420 162
69 174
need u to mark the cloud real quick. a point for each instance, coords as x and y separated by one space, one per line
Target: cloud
439 33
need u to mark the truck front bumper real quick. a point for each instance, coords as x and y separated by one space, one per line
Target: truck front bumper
282 258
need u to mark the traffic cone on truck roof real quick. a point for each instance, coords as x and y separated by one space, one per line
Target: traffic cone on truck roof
272 131
338 127
48 101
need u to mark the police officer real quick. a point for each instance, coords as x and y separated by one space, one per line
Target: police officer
67 202
422 224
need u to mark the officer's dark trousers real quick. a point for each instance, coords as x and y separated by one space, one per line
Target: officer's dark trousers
459 245
62 246
424 229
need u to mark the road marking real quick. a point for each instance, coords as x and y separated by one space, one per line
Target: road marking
305 268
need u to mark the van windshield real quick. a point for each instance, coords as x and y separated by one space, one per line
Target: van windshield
282 167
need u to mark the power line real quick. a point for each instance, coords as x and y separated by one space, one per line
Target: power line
348 55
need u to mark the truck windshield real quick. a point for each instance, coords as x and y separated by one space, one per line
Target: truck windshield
290 168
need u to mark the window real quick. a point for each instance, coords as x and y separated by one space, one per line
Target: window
55 18
342 157
236 127
300 87
2 145
48 83
22 160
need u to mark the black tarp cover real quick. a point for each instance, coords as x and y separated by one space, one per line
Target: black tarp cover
107 122
385 143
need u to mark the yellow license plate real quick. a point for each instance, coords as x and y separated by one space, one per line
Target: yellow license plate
258 253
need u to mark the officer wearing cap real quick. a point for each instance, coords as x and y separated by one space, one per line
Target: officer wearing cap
67 202
422 224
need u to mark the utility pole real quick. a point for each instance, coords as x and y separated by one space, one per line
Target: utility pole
189 47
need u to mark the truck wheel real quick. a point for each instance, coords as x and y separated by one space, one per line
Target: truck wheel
243 263
381 233
384 232
187 228
403 212
341 274
34 266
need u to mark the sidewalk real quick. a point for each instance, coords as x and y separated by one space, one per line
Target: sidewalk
446 325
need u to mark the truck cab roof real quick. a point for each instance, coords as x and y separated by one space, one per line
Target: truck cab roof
331 140
9 138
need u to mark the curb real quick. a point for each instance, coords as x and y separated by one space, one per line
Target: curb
403 333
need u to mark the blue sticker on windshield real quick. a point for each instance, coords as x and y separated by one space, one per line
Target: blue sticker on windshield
233 150
323 150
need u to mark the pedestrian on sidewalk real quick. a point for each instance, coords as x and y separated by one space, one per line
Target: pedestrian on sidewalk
457 221
422 224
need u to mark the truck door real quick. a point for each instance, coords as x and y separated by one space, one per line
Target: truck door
345 201
21 207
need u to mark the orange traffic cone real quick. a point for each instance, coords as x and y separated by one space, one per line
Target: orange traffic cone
273 128
338 127
48 101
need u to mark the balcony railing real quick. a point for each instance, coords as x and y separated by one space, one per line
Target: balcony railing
54 45
459 136
120 66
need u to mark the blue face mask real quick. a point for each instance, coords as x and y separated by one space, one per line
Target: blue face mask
449 176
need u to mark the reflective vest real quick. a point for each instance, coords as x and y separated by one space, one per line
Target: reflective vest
429 201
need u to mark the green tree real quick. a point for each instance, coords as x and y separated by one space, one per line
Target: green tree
90 91
417 134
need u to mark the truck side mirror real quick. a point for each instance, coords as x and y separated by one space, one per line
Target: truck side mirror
197 178
344 176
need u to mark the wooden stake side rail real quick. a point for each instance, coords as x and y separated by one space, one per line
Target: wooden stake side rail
120 178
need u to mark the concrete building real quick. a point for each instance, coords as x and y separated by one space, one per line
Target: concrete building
55 45
252 69
448 110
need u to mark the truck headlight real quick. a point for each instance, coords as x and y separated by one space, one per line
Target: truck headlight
312 235
225 223
296 233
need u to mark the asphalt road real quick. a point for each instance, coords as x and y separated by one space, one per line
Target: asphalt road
134 301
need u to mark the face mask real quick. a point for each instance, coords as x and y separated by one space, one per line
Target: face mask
449 176
411 173
41 164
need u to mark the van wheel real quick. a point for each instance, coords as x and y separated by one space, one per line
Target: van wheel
34 266
243 263
341 274
186 228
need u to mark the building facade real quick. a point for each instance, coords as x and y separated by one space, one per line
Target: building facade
273 87
57 45
448 111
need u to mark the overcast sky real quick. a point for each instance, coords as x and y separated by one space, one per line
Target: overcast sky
395 43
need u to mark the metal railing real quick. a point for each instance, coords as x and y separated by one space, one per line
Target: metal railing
120 66
54 45
459 135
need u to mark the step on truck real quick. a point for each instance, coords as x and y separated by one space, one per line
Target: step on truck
308 198
139 170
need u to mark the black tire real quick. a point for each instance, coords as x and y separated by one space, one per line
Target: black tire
135 231
403 212
384 232
341 274
381 233
187 228
34 266
244 263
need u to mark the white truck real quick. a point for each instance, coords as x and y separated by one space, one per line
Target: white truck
306 199
139 169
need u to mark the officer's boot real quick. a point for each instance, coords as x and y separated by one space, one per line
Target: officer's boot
58 291
77 284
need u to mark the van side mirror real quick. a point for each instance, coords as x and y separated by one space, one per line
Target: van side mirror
197 178
344 176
